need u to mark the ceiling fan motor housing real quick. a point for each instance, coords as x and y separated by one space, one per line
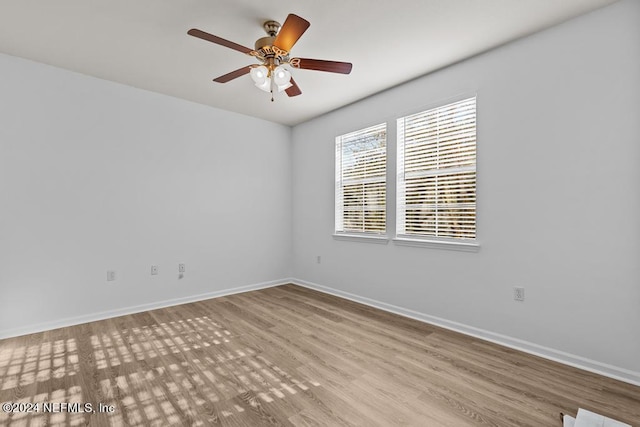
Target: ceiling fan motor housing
264 42
270 55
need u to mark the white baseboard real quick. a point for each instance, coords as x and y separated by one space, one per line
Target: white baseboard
579 362
70 321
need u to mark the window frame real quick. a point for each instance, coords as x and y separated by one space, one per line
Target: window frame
339 230
427 240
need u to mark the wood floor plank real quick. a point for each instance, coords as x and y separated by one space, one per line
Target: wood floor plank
292 356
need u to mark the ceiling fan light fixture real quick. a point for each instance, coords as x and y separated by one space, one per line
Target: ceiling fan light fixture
282 78
265 86
260 76
284 86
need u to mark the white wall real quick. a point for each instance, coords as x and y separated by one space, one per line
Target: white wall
558 200
95 176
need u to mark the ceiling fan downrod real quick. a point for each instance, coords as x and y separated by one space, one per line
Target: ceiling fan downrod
271 27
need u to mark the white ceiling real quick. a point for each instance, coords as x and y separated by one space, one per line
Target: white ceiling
144 43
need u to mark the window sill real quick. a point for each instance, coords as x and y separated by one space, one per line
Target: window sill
381 239
437 244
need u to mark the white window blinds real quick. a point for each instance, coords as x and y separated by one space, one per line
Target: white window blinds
361 170
436 195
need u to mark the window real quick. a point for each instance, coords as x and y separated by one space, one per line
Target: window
361 181
437 174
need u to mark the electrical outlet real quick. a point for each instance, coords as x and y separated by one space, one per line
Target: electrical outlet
518 294
154 270
111 275
318 259
181 268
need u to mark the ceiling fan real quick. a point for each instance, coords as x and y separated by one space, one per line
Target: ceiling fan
273 52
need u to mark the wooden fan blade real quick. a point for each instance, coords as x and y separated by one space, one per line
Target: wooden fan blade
233 75
321 65
218 40
291 30
294 90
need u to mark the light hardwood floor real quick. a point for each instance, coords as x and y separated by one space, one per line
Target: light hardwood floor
292 356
